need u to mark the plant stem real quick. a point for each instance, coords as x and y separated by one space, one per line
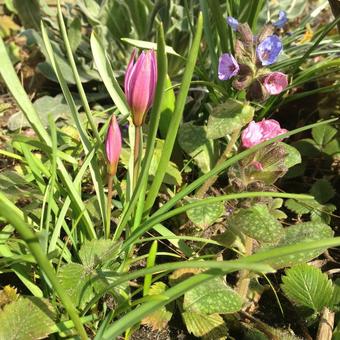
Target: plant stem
210 182
109 202
136 154
243 282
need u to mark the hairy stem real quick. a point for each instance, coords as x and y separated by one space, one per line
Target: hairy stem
210 182
243 282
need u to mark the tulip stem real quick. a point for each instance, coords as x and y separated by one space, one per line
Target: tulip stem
109 203
137 154
210 182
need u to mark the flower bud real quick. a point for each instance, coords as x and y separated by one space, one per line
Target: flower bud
282 19
256 133
275 82
232 22
140 85
113 146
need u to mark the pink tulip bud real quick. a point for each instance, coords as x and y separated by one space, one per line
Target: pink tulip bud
256 133
275 82
140 84
113 145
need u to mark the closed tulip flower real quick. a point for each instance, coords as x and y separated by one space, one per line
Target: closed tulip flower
113 145
140 84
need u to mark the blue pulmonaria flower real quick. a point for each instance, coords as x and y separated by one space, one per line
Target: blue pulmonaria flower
232 22
269 49
282 19
227 67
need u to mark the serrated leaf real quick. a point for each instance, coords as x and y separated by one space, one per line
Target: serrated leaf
212 297
302 232
27 318
307 286
323 134
95 252
193 140
258 223
158 320
298 207
228 117
80 283
322 190
210 327
205 215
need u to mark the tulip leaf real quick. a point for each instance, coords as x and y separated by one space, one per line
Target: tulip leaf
257 222
26 318
307 286
149 45
193 140
205 326
302 232
167 108
213 296
227 117
205 215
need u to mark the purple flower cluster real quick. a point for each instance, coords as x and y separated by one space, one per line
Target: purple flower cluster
252 55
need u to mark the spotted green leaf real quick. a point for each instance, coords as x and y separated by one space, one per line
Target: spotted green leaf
214 296
258 223
227 117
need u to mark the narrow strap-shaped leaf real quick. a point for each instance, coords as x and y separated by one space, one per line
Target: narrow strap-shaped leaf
176 118
33 244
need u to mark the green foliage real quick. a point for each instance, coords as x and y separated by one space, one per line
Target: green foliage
258 223
214 296
45 106
210 327
26 318
322 190
193 140
159 319
82 281
228 117
308 286
205 215
302 232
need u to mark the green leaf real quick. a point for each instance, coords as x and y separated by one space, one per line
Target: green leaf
322 190
45 106
205 326
74 34
26 318
167 108
323 134
212 297
193 140
159 319
302 232
96 252
292 156
206 215
228 117
258 223
307 286
80 283
148 45
298 207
